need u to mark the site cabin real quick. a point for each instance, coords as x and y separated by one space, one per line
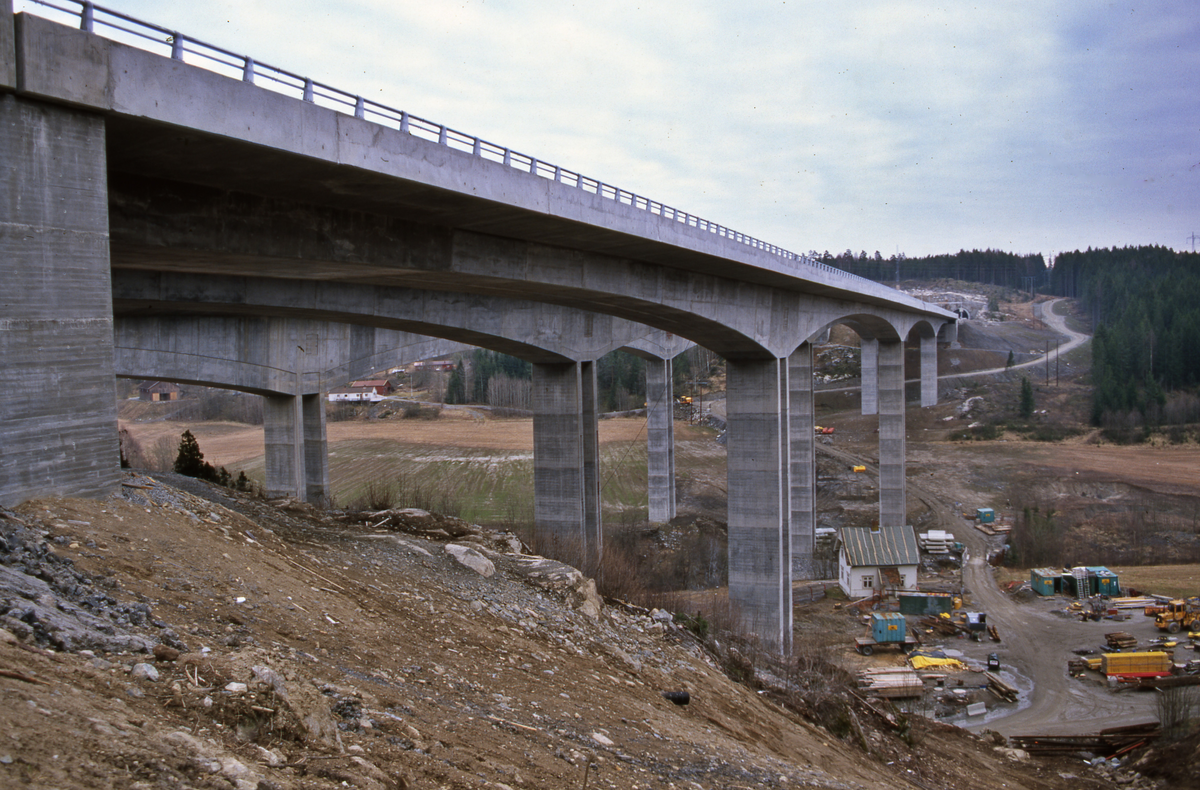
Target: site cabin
158 391
874 560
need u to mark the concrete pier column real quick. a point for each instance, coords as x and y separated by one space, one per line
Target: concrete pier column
58 414
660 439
283 441
929 379
558 474
803 522
316 450
760 577
892 505
869 363
593 531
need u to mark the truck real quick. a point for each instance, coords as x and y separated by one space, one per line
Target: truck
887 629
1178 614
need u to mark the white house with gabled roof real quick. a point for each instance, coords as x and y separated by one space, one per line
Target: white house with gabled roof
875 559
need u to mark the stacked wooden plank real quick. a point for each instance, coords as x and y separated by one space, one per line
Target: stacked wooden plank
891 682
1000 688
1119 640
942 626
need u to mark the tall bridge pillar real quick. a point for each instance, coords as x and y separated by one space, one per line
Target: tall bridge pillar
892 505
566 494
929 380
58 414
803 460
660 439
869 364
760 569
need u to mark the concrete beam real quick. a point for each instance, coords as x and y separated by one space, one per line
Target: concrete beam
802 442
58 420
760 577
893 509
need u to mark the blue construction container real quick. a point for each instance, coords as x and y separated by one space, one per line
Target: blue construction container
887 626
985 515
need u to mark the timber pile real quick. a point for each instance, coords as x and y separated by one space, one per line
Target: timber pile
942 626
891 682
1119 640
1000 688
1171 681
1107 743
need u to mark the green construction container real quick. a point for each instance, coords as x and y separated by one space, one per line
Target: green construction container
1103 581
1045 581
985 515
923 603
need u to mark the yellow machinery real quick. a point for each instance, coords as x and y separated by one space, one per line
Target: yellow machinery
1179 614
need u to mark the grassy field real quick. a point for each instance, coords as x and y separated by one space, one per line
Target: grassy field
480 470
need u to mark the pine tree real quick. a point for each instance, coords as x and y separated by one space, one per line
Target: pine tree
1026 407
189 461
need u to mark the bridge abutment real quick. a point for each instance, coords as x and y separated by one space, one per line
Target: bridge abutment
58 417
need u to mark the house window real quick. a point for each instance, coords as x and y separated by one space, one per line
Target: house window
868 582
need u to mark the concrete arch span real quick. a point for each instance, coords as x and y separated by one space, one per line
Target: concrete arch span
261 355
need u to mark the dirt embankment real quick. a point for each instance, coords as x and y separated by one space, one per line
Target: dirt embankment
375 659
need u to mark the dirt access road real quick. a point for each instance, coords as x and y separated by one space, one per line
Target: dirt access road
1036 642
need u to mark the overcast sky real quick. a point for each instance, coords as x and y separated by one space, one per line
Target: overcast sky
917 127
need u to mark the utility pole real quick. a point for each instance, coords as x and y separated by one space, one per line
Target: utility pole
1193 239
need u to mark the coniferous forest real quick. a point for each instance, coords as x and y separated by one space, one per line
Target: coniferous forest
1144 305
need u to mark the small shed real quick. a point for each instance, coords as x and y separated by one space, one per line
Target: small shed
1045 581
878 558
158 391
985 515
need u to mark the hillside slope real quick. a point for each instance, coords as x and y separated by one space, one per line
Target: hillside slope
372 658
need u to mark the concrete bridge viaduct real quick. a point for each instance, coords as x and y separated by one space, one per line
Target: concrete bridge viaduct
124 169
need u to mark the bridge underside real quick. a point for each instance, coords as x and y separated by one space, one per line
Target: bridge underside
108 177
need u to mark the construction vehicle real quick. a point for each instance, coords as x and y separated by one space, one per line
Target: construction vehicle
1179 614
887 628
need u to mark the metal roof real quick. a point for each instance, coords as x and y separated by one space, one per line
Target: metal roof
883 546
